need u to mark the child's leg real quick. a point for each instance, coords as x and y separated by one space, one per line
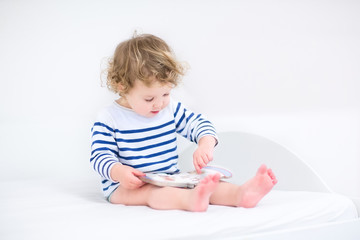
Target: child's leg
248 194
196 199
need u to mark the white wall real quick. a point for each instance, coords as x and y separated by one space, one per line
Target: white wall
288 70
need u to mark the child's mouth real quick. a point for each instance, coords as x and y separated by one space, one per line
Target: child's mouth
155 112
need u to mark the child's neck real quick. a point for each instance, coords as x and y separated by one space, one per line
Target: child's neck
123 102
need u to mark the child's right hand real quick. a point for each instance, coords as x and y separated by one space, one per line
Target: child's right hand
127 176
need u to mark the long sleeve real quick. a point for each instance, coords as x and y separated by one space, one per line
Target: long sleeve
104 150
190 125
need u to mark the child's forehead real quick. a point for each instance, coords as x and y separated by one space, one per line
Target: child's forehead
152 85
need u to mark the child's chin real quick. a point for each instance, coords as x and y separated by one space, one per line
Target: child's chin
149 115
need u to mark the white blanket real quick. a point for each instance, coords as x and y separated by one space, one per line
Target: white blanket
77 210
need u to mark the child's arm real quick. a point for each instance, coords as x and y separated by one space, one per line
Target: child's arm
204 153
105 156
127 176
197 129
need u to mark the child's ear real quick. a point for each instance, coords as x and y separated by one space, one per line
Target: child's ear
120 88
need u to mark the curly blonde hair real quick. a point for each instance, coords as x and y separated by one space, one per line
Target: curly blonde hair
141 58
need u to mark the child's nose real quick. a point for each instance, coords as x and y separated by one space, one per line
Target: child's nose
157 104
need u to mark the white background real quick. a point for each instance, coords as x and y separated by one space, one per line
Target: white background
287 70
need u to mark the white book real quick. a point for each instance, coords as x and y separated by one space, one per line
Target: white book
184 180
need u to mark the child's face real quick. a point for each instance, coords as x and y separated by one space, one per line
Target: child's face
147 101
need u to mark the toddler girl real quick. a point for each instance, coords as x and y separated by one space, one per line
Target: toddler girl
137 134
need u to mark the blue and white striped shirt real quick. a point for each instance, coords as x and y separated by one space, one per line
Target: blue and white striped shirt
148 144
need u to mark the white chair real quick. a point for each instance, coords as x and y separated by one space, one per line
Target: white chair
242 153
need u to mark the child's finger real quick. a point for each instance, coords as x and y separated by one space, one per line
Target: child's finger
201 162
138 173
136 182
197 167
210 157
206 159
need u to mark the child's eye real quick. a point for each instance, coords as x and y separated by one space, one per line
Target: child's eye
166 94
149 99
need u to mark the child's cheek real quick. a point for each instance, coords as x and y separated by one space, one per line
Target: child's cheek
167 101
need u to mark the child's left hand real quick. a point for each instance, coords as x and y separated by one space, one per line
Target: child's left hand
204 153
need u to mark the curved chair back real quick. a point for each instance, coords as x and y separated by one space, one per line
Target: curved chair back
242 153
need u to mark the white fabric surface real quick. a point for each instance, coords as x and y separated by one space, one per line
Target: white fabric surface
77 210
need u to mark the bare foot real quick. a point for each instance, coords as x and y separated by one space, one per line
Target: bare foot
201 193
256 188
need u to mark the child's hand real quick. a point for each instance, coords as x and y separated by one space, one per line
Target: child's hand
204 153
127 176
